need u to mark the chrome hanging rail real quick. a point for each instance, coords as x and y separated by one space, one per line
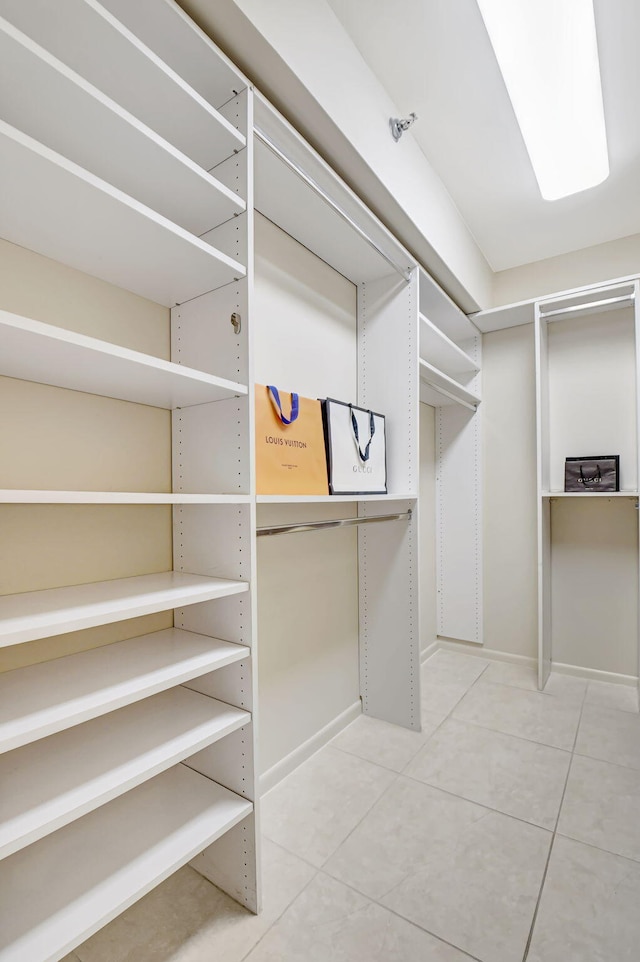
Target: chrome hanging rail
574 308
266 140
337 523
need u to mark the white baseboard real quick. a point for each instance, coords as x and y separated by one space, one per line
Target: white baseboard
491 654
426 653
290 762
594 674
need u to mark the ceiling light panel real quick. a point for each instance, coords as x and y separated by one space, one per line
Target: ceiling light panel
548 55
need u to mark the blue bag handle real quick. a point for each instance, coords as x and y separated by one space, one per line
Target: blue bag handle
295 405
372 431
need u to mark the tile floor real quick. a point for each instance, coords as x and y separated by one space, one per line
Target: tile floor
508 829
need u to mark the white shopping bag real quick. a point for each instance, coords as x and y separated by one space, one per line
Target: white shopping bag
356 449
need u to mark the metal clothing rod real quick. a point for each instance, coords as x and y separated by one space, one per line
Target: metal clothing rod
338 523
403 271
586 307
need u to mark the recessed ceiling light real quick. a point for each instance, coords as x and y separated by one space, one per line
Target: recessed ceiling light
548 54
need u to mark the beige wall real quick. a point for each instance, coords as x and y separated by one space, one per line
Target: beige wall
428 595
52 438
305 340
591 265
509 481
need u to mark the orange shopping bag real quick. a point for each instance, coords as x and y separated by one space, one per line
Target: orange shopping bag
290 451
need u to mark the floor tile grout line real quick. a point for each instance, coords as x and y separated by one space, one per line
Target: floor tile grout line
368 811
598 848
554 836
605 761
499 731
399 915
275 921
471 801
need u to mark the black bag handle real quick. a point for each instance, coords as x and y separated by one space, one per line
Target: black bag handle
372 430
597 477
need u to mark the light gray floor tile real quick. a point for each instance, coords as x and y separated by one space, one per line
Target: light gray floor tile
441 697
526 714
613 736
332 923
453 667
445 679
70 958
313 810
388 745
504 673
512 775
589 907
602 806
602 694
186 919
566 686
465 874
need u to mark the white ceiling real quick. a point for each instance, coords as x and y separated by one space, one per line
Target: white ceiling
434 57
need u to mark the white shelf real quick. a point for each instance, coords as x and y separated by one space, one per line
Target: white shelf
65 212
59 891
58 108
164 27
329 498
437 349
141 83
56 780
55 611
35 496
443 384
438 307
590 494
49 697
33 351
500 318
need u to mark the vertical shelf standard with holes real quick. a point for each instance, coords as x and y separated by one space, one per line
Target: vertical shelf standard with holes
450 362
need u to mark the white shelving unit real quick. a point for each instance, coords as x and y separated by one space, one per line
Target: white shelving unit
597 333
131 759
134 758
584 336
450 364
299 193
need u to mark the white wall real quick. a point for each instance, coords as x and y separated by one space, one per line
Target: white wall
509 482
52 438
301 57
305 340
427 492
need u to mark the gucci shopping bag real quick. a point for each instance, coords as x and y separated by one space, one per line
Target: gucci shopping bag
290 453
592 475
356 449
